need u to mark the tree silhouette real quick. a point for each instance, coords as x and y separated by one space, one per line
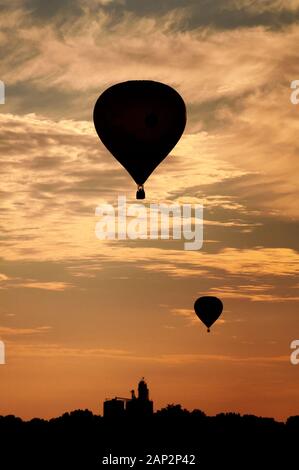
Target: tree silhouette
80 438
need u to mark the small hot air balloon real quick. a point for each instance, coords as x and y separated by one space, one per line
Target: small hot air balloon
140 121
208 309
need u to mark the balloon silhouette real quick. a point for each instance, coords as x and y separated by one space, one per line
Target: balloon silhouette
208 309
140 121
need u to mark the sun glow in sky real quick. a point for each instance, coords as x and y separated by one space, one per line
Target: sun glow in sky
83 319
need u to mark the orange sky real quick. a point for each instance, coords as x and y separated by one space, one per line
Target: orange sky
84 319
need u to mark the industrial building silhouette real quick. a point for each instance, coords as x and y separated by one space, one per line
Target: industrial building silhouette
134 407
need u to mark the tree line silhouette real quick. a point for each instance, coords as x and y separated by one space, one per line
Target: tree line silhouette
82 438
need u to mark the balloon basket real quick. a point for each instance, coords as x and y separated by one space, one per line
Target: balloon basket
140 194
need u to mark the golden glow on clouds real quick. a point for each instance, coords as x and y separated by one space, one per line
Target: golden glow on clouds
5 332
101 301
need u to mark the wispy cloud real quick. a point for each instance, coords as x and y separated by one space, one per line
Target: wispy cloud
55 350
260 293
53 286
233 63
17 282
15 331
51 350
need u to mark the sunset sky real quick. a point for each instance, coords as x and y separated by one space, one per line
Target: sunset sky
84 319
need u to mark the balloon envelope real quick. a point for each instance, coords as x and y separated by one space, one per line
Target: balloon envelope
208 309
140 121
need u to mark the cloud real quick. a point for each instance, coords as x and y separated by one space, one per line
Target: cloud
266 5
68 173
222 14
87 53
15 331
258 262
176 359
18 282
55 350
256 293
232 157
63 191
52 350
187 314
233 63
232 82
49 285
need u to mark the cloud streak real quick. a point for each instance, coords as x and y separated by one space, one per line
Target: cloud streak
16 331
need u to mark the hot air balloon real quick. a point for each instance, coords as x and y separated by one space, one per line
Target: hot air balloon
140 121
208 309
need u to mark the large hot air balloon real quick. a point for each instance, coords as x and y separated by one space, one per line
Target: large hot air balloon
208 309
140 121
